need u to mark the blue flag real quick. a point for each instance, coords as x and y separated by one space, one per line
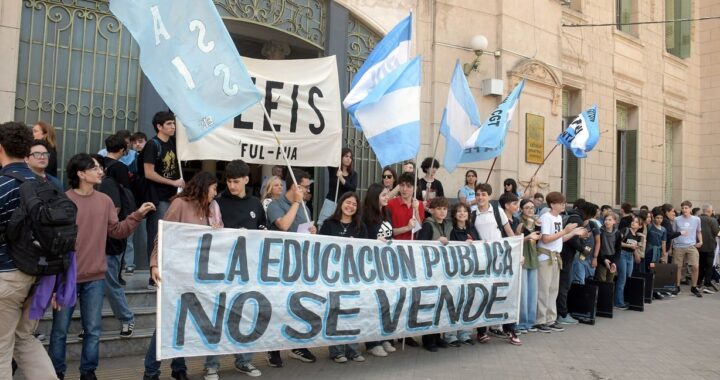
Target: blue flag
489 141
460 119
390 114
390 53
188 55
582 134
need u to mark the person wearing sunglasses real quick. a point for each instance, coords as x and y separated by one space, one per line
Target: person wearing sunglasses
38 159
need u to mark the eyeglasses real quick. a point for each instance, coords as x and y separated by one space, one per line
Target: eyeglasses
39 155
387 176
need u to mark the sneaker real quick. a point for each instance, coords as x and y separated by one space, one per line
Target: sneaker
695 292
658 296
151 285
532 329
513 339
496 332
468 342
411 342
249 370
88 376
522 331
483 338
555 327
454 343
378 351
358 358
621 307
304 355
129 271
567 320
40 336
127 329
340 359
211 374
179 375
707 291
388 347
274 360
715 285
544 328
431 348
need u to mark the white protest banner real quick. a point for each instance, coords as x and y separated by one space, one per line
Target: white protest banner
302 97
228 291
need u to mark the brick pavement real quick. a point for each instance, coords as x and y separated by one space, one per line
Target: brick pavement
674 338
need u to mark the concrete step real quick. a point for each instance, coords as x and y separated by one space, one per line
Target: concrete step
144 319
136 298
111 344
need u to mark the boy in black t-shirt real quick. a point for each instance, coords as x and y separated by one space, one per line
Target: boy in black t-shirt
161 169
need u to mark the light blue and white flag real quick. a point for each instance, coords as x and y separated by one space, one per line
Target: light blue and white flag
582 134
189 57
391 52
489 141
390 114
460 118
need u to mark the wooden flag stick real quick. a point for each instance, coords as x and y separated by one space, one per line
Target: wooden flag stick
491 169
543 162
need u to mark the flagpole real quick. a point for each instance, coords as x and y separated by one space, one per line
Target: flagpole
287 161
491 169
337 183
543 163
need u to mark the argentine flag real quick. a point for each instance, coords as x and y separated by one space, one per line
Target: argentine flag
489 141
460 118
188 56
390 114
391 52
582 134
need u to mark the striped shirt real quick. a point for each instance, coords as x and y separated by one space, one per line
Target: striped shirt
9 201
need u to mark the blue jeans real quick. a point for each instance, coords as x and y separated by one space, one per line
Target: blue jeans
582 270
213 361
624 270
453 336
152 366
90 298
348 350
152 225
528 299
115 292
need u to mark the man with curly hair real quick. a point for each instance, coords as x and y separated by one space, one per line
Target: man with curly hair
16 329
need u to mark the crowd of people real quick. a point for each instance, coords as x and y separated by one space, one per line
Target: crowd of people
134 182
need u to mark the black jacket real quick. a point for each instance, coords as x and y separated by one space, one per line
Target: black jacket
238 212
574 244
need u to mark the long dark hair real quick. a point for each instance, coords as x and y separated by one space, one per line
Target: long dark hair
196 191
356 218
344 152
453 211
394 175
512 183
373 213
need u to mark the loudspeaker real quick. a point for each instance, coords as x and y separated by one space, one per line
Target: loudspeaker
606 292
582 302
635 293
665 277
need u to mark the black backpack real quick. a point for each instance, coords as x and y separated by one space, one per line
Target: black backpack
127 206
41 232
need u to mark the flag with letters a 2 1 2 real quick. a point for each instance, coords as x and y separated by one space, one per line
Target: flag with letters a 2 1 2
189 57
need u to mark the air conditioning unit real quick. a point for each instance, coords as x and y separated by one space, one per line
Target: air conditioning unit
492 87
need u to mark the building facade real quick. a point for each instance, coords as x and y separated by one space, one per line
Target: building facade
655 85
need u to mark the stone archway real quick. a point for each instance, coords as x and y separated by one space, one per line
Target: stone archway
540 73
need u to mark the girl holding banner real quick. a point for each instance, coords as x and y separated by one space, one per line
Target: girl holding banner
196 205
345 222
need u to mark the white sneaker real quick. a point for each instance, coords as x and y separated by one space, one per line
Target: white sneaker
708 291
358 358
211 374
388 347
378 351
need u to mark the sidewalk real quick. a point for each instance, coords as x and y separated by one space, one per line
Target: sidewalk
673 338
